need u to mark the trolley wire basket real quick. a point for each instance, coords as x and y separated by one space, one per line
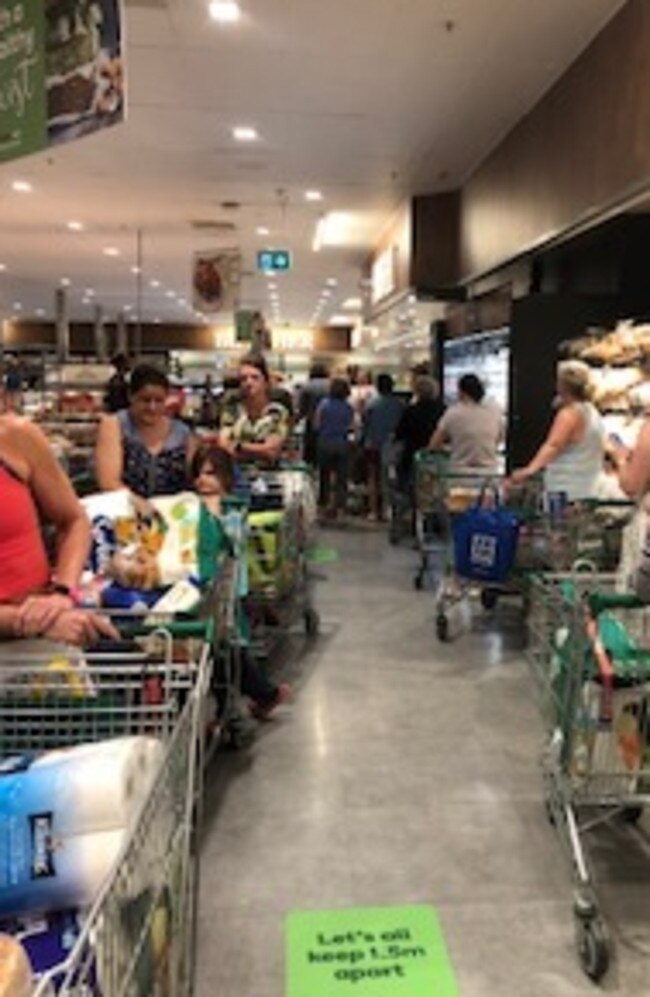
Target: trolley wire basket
280 523
442 496
138 937
590 657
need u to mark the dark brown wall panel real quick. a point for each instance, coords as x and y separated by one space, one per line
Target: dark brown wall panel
435 241
582 148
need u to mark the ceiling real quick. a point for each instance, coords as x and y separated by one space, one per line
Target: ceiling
367 101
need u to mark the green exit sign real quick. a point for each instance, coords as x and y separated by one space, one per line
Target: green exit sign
274 260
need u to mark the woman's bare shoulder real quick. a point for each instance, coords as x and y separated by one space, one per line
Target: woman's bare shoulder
17 430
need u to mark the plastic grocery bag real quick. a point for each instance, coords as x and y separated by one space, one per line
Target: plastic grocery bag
485 541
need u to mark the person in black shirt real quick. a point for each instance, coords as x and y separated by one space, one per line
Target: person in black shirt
117 389
417 424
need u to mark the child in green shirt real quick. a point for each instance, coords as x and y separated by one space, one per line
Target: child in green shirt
212 473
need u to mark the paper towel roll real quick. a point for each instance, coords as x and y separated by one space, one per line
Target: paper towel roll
59 873
96 787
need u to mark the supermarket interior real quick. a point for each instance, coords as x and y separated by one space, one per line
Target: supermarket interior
324 477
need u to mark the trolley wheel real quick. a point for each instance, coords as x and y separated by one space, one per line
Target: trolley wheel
489 599
592 943
632 815
418 582
312 622
442 628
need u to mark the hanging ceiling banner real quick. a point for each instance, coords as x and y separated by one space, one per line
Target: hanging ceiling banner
61 72
216 280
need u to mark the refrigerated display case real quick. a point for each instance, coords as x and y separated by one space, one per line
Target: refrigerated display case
486 354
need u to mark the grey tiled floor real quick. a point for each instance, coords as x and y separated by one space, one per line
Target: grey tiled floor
406 771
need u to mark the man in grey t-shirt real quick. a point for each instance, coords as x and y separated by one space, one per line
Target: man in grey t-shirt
473 429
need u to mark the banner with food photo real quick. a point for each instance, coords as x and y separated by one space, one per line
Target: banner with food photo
61 72
216 280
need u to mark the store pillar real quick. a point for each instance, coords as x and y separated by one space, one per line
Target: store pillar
62 324
101 345
122 345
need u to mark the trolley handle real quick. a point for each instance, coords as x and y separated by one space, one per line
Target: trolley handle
181 629
600 602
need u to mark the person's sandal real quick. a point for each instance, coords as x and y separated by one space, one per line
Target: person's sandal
262 711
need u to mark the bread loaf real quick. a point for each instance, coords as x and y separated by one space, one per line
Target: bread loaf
15 970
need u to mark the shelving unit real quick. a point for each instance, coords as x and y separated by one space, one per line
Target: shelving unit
622 390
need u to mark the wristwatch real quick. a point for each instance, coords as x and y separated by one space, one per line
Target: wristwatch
59 588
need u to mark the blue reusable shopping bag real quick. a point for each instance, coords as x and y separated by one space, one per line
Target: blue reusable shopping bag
485 541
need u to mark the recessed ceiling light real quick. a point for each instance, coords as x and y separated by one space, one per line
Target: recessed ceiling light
313 195
128 308
111 251
273 287
225 11
136 270
65 282
17 306
352 304
40 312
3 267
170 294
156 321
154 283
263 231
75 226
89 292
326 294
22 187
244 133
331 282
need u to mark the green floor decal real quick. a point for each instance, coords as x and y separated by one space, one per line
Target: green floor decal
368 952
322 555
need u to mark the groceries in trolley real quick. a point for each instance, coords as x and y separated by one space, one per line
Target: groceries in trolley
15 968
65 818
485 539
136 557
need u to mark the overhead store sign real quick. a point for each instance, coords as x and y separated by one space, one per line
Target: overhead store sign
61 72
274 260
216 280
383 277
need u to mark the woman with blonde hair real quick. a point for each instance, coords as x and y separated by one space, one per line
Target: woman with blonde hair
572 454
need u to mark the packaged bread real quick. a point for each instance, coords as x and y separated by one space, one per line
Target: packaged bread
15 970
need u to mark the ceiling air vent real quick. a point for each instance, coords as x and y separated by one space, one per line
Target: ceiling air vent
213 226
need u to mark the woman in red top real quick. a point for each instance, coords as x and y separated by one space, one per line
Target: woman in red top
36 601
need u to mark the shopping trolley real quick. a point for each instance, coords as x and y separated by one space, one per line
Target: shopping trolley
138 938
441 496
280 523
590 657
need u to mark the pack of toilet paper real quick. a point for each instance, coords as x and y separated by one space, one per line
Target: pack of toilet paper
66 816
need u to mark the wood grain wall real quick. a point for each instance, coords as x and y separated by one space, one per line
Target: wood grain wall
582 148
